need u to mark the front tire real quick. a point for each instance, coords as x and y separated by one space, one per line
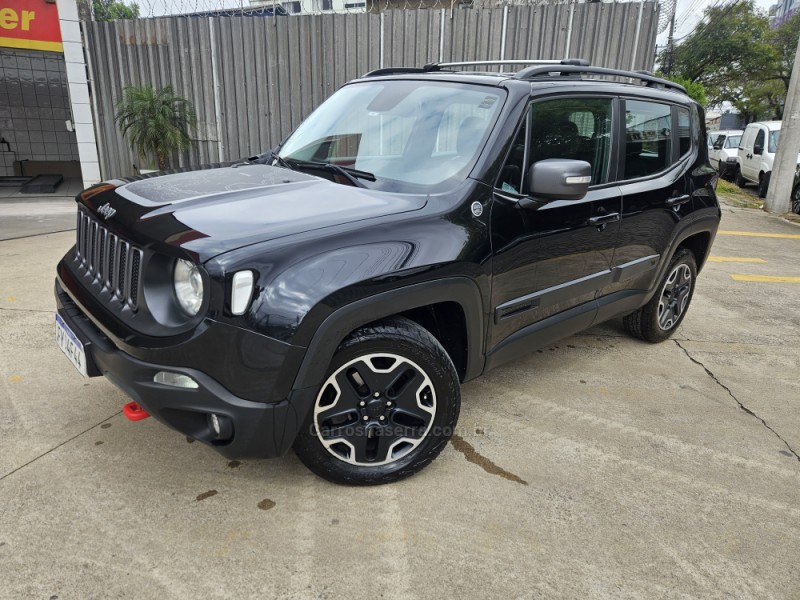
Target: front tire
657 320
738 179
387 408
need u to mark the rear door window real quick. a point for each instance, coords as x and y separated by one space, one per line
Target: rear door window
648 138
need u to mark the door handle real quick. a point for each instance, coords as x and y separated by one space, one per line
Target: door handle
603 219
749 156
678 200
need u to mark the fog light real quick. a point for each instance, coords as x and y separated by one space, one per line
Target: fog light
221 426
175 380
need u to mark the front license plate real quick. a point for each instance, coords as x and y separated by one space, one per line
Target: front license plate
70 345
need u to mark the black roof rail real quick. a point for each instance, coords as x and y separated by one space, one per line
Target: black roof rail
394 71
485 63
565 70
434 67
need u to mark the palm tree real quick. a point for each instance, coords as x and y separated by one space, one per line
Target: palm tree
155 121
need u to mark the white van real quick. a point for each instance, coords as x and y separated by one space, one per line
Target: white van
756 154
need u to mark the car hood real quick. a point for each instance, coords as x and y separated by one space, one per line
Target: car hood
208 212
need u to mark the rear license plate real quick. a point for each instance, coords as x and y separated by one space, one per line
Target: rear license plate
70 345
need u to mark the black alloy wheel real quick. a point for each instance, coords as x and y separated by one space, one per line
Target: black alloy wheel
386 409
660 317
674 296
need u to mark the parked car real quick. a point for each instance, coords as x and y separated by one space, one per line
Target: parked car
796 192
422 226
756 154
723 153
711 138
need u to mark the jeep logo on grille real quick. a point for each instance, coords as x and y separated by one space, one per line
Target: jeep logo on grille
106 211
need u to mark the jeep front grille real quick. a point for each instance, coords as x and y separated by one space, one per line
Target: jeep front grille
105 258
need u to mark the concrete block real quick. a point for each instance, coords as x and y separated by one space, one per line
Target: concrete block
84 132
82 113
78 93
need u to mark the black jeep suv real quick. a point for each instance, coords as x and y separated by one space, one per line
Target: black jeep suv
420 227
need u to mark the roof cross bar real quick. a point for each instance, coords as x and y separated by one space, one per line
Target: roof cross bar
648 79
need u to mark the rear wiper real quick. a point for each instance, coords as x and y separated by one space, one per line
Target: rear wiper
352 175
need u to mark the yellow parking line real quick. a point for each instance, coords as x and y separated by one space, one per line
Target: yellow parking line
766 278
726 259
788 236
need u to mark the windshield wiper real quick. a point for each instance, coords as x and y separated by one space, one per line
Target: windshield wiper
269 158
351 174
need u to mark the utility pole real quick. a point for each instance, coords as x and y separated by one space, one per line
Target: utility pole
783 169
670 46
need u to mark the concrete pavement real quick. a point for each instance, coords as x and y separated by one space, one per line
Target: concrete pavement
23 215
601 467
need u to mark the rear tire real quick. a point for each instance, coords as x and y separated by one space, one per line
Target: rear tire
738 179
763 184
658 319
387 408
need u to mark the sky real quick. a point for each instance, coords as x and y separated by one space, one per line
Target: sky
689 13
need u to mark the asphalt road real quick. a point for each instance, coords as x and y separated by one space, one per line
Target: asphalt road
601 467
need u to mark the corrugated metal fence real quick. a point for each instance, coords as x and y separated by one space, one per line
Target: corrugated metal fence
252 80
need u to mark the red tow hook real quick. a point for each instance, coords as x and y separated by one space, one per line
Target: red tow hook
134 412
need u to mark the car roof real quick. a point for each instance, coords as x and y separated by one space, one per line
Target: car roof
771 125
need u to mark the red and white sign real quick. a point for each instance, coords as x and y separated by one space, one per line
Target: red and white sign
30 24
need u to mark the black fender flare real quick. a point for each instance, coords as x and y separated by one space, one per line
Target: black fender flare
705 224
462 290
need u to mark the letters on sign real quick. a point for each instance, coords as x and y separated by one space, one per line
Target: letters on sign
30 24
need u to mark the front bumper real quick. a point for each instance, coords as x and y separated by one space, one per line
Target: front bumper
260 430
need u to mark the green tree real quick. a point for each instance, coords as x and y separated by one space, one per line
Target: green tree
695 90
784 41
111 10
155 121
730 46
761 100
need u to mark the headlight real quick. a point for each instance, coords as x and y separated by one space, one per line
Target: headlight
188 286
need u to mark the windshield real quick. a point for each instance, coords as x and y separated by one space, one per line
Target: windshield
773 140
411 135
733 141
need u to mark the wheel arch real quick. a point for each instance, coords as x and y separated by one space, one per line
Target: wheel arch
699 244
434 305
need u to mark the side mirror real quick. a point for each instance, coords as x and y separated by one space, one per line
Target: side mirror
559 179
758 149
718 145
